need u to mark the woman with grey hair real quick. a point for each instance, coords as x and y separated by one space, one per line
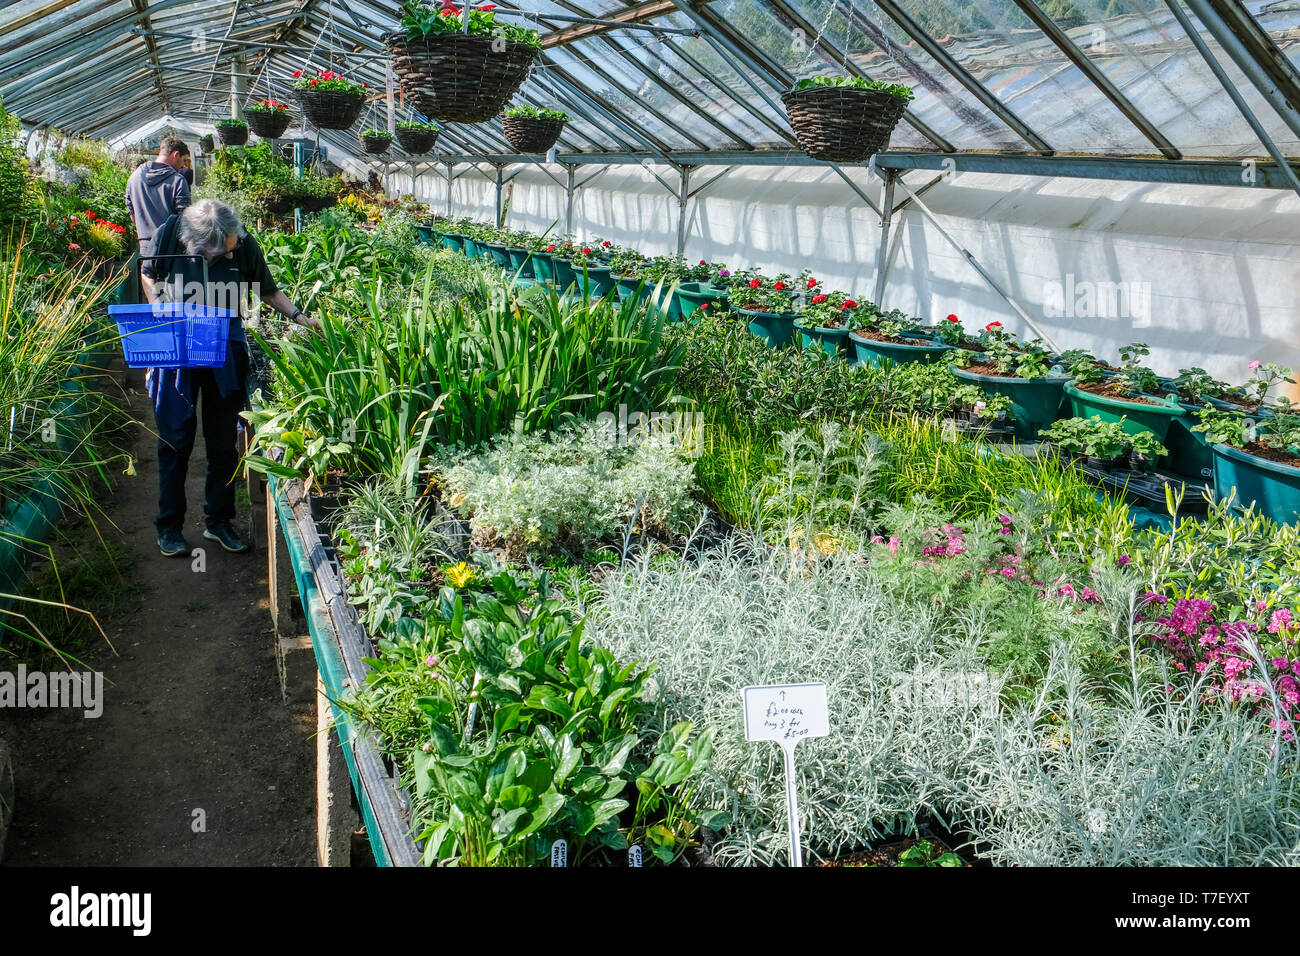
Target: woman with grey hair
235 270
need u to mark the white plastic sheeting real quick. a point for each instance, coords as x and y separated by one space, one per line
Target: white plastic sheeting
1206 276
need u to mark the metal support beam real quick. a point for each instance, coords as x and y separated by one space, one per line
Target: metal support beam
1231 89
710 181
1255 54
568 199
683 197
856 188
497 217
449 184
882 254
975 264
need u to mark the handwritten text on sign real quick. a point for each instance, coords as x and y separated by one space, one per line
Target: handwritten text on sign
786 713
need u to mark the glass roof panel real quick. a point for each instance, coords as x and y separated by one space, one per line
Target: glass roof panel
1141 48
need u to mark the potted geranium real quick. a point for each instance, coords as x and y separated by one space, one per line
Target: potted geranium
532 130
1125 395
268 118
696 290
1257 464
768 306
1021 372
454 74
625 266
844 119
976 411
232 131
890 337
824 322
328 100
376 141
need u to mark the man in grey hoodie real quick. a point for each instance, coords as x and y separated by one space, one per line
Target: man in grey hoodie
157 190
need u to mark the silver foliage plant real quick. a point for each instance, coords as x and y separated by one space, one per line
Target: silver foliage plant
1133 771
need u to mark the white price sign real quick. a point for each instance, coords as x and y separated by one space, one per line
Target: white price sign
787 714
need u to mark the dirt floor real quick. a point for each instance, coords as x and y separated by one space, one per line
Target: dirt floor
192 715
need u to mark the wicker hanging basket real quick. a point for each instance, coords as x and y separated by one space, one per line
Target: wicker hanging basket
529 134
205 142
459 77
268 125
233 135
331 109
841 124
417 142
376 145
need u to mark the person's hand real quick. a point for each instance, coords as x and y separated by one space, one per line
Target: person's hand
310 321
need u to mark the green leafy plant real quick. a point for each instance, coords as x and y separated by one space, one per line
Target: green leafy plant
1134 378
420 19
230 123
377 133
925 853
855 83
268 106
533 112
418 125
1220 428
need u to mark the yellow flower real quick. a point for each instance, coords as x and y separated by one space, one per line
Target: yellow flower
460 575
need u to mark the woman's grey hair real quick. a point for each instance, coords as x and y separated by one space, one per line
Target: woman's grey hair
207 225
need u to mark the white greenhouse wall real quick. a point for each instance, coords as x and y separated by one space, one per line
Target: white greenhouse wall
1211 274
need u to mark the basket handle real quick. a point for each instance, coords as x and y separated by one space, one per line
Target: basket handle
139 270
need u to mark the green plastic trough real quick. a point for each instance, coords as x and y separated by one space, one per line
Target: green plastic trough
1034 401
1274 488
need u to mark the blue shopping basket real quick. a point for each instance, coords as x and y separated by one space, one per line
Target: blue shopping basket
174 334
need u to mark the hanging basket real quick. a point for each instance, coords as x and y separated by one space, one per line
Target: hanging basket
528 134
376 145
459 77
417 142
317 203
278 204
841 124
205 142
268 125
233 135
331 109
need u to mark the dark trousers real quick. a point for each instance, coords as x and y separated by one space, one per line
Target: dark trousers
220 425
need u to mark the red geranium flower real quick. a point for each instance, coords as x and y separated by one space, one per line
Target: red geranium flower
297 73
703 306
586 251
952 317
812 283
73 246
487 6
606 242
818 299
754 283
550 248
779 286
992 325
850 304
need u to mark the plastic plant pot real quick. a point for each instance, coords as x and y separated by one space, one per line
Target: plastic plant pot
521 262
1034 401
691 295
497 252
831 341
1189 452
562 270
472 247
452 242
543 270
629 287
871 352
600 281
775 329
426 235
1274 488
1137 416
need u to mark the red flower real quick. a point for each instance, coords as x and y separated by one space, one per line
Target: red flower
703 263
952 317
812 283
754 283
606 242
992 325
586 251
818 299
297 73
550 248
779 286
487 6
703 306
850 304
73 246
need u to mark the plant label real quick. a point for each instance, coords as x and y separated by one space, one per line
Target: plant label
787 714
560 853
634 856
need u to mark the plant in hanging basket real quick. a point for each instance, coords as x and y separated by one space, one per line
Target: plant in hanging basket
233 132
328 100
376 141
205 142
460 76
845 119
268 118
531 130
417 138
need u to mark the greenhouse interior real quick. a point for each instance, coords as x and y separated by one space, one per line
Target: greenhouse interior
595 394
